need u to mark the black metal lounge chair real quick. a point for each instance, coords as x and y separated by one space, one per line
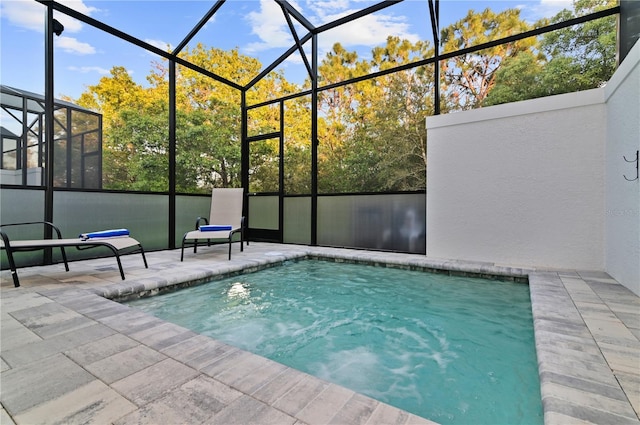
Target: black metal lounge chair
225 220
118 245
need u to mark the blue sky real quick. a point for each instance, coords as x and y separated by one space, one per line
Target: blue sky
256 27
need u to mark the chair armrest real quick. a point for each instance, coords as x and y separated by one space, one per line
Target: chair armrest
199 221
45 223
5 240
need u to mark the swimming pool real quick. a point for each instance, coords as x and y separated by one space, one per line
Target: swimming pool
453 350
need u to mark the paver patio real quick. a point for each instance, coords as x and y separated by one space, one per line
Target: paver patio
70 355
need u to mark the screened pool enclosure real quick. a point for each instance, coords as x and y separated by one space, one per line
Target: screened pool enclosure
337 159
77 142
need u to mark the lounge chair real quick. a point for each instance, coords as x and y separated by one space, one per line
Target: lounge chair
225 220
117 241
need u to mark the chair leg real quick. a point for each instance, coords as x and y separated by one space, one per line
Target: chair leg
120 266
117 255
12 266
144 258
16 281
64 258
229 248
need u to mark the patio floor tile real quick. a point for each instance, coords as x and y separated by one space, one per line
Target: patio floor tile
38 382
316 410
194 402
94 403
27 353
149 384
248 411
100 349
125 363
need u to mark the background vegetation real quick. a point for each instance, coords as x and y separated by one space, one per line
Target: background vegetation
371 134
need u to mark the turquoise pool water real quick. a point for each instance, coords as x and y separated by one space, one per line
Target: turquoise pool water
454 350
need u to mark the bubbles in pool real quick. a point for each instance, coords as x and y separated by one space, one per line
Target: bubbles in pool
453 350
238 290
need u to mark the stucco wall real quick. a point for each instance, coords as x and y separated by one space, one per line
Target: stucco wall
519 184
622 215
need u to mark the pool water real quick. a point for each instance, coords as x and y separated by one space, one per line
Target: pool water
451 349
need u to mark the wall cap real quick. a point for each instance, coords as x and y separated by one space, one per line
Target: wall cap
524 107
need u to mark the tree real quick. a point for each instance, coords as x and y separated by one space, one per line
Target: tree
373 136
571 59
517 80
136 128
394 121
212 146
371 133
589 48
207 151
145 139
469 78
297 145
335 121
208 131
400 129
118 98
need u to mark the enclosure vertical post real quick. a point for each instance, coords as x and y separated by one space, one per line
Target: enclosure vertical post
244 156
48 113
437 76
101 151
69 150
434 10
628 27
314 140
22 151
281 175
172 154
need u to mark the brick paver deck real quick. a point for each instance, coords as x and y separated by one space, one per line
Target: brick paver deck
70 355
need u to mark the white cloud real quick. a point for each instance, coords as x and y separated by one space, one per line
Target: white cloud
295 59
555 6
70 24
162 45
270 26
72 45
323 9
545 8
30 15
370 30
79 6
89 69
24 13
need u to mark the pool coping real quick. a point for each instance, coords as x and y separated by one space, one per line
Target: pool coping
585 372
126 292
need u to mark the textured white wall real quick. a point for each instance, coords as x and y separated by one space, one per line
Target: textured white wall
622 219
520 183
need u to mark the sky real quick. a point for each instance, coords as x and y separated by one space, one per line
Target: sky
256 28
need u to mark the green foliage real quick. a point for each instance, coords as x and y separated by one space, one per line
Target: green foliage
577 58
469 78
518 79
141 144
136 126
371 134
207 152
589 48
